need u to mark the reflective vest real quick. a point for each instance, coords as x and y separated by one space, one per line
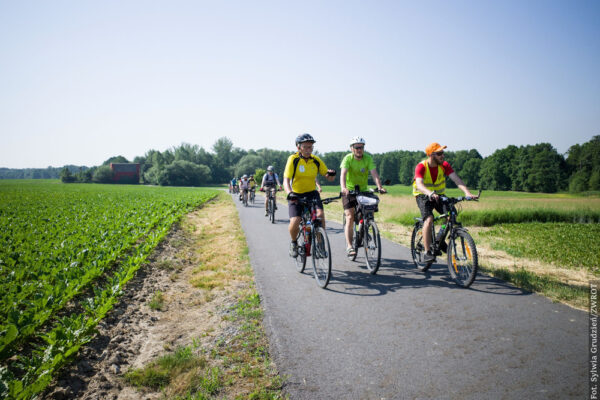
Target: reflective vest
439 185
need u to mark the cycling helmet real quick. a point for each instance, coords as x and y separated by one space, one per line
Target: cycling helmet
305 137
245 176
356 140
270 168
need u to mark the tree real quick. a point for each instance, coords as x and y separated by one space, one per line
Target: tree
66 176
116 159
103 174
583 163
248 164
186 173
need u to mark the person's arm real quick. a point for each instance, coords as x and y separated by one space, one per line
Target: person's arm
461 185
422 188
287 185
343 187
375 176
318 185
262 183
277 180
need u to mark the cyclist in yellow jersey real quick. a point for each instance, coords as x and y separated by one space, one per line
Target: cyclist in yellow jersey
299 180
428 184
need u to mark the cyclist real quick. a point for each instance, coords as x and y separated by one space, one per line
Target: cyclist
252 183
355 171
244 186
299 178
428 184
233 184
270 181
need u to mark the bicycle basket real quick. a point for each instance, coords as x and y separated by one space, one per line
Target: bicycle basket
368 202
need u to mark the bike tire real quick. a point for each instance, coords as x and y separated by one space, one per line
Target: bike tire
272 211
300 260
417 248
463 261
372 245
321 256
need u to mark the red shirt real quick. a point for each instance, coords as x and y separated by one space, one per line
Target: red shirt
420 171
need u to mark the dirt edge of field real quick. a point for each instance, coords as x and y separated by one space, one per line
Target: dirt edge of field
133 334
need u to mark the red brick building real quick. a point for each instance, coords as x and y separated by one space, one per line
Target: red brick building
125 172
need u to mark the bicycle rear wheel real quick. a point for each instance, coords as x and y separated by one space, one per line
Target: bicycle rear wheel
417 248
321 256
372 244
462 258
300 260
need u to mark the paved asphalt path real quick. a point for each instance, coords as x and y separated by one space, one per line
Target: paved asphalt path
404 334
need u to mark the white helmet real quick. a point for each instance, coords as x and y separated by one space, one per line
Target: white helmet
270 168
356 140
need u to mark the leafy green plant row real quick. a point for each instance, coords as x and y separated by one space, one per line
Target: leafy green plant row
56 240
71 332
566 245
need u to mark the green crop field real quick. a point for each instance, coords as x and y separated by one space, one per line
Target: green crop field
59 241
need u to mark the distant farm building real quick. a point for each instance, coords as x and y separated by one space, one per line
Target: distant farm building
125 172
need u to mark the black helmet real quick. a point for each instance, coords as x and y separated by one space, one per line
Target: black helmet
305 137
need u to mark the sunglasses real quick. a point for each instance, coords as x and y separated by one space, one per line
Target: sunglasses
359 147
439 153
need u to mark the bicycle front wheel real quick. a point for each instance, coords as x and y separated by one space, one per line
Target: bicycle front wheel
300 260
272 210
462 258
321 256
417 248
372 244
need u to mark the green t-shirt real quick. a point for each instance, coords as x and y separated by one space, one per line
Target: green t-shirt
358 171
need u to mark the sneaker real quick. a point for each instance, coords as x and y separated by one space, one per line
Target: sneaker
294 249
266 213
429 257
350 252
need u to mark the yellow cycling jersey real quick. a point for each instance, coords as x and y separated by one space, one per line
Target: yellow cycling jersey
306 171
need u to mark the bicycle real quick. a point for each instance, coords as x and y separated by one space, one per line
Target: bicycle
461 251
366 232
271 207
245 197
313 242
252 195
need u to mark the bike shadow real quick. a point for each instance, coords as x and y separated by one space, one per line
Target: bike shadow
397 274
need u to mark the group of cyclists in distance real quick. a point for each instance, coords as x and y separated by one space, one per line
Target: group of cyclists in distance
300 181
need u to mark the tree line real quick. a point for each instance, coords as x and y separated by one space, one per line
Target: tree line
531 168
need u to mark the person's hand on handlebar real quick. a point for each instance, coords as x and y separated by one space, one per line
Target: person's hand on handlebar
433 196
345 191
382 190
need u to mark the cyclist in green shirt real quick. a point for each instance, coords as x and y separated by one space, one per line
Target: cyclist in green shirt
355 171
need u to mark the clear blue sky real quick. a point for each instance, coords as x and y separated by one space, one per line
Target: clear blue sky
81 81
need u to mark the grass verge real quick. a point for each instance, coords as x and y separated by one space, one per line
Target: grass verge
236 364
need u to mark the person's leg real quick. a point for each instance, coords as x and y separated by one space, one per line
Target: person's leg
427 226
349 228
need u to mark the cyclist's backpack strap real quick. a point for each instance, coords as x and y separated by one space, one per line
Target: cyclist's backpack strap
297 160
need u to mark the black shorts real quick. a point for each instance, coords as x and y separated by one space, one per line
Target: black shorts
427 206
349 201
295 210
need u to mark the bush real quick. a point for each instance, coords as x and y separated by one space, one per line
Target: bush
103 174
